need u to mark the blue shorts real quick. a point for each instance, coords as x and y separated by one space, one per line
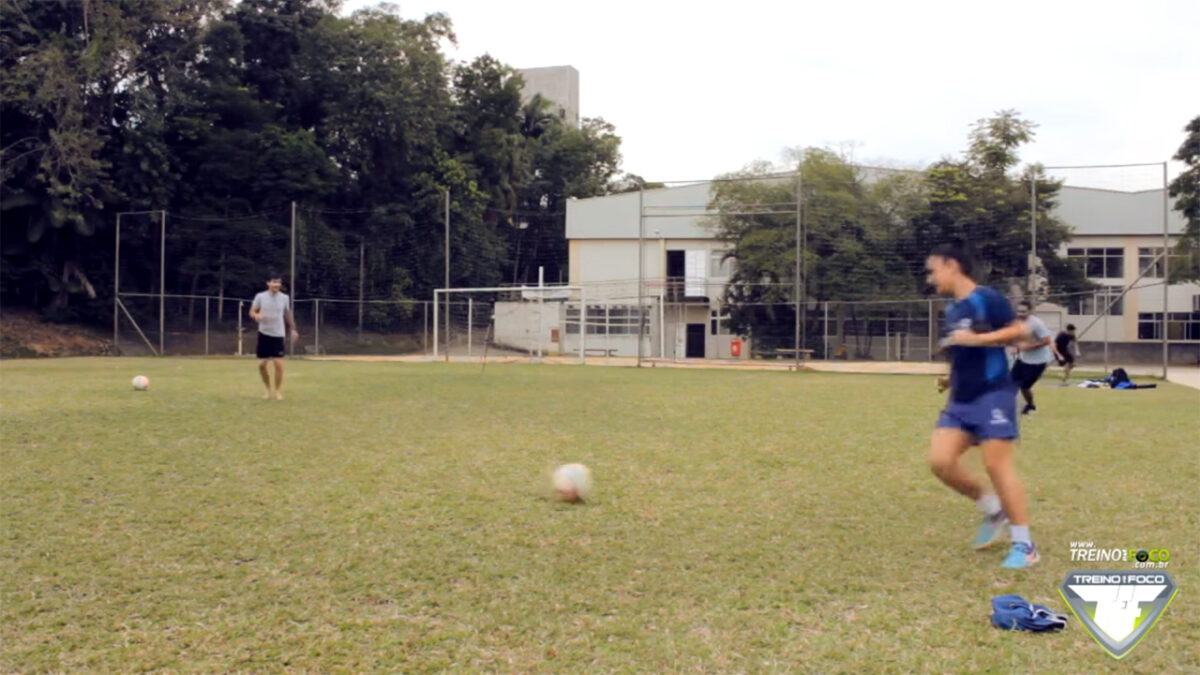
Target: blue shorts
991 416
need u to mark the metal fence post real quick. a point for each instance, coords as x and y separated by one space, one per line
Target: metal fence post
162 283
241 304
206 325
582 327
117 288
825 330
931 330
317 325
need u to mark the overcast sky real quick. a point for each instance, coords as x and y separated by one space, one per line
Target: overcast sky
696 89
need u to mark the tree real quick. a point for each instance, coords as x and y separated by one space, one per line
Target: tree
76 82
1185 189
224 113
979 202
868 231
854 230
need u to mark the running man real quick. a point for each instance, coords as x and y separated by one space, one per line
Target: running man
1033 355
272 309
981 409
1066 347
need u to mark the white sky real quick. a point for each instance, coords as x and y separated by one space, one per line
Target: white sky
696 89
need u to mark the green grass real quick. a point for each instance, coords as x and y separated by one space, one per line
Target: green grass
396 517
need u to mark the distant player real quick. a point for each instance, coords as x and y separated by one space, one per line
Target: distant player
1033 355
981 409
272 309
1066 348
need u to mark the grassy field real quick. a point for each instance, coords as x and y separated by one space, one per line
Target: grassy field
391 517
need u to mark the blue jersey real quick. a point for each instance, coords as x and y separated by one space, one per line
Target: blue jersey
975 371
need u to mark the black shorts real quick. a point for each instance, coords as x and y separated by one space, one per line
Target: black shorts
1067 359
270 347
1026 374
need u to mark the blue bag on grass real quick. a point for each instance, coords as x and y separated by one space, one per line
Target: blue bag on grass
1012 612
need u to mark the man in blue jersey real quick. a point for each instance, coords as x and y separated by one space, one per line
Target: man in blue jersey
982 407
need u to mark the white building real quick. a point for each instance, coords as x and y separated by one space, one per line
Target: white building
557 84
684 272
1116 236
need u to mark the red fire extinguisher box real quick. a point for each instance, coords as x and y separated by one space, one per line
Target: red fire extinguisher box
735 347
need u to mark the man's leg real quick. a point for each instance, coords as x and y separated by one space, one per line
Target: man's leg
279 379
1022 375
266 376
945 459
998 460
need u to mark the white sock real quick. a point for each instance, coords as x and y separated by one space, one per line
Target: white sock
988 505
1020 534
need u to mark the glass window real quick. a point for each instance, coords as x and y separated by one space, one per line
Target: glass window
1099 263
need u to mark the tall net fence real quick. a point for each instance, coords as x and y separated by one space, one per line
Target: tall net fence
186 282
827 262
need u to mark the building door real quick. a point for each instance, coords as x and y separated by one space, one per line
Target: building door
695 340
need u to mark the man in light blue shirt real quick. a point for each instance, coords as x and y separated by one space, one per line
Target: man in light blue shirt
1033 355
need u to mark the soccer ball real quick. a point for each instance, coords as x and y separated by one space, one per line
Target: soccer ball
572 482
141 383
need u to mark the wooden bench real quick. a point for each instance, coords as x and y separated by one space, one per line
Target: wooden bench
804 354
598 351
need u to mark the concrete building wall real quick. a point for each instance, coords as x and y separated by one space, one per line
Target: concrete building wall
1109 212
1146 295
518 326
558 84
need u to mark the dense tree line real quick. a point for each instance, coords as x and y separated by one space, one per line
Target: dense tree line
223 114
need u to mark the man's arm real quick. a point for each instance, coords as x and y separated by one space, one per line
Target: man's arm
1013 332
1028 346
290 322
255 310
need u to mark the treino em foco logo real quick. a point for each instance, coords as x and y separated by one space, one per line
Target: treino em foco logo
1118 607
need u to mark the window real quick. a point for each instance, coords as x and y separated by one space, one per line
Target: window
1146 260
1196 303
720 265
719 323
609 320
1180 326
1099 263
694 277
1093 304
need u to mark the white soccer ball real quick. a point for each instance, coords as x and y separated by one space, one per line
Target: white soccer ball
572 482
141 383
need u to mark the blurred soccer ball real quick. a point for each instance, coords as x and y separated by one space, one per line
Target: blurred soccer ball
572 482
141 383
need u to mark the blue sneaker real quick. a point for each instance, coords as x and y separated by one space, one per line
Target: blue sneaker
991 530
1020 556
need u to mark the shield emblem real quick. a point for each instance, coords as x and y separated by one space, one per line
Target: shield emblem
1118 607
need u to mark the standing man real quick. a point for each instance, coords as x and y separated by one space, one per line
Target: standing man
1033 355
272 309
1066 348
982 406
